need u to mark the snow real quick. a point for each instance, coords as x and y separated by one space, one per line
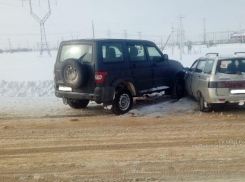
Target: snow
201 50
26 76
26 66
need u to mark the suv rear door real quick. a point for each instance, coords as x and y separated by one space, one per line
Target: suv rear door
83 53
112 61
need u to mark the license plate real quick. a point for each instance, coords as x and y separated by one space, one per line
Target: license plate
237 91
62 88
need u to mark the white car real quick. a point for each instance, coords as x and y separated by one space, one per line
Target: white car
217 80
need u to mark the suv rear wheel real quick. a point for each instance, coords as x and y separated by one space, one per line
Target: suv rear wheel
78 104
122 102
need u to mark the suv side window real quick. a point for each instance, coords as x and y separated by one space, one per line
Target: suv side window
153 53
112 52
136 53
209 66
200 66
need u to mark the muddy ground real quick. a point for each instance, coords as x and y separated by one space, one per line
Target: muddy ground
43 140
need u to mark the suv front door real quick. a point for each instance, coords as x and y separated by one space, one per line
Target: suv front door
160 67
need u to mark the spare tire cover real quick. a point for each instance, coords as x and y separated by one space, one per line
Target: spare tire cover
73 73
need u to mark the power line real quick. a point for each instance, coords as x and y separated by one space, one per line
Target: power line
180 17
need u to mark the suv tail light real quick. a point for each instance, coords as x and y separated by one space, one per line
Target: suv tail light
100 76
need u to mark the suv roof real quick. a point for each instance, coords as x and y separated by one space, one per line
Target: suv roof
107 40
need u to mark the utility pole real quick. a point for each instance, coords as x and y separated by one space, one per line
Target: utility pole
161 45
204 32
180 17
241 33
172 40
44 44
10 49
37 46
125 34
26 0
140 35
93 29
109 33
27 46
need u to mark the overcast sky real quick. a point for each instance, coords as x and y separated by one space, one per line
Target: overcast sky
153 18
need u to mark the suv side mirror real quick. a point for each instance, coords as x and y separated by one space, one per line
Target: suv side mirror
165 57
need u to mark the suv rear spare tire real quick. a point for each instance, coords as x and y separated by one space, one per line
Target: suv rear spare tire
122 102
73 73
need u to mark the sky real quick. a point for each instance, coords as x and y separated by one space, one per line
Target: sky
147 19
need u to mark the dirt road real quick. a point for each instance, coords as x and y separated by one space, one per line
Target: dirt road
69 146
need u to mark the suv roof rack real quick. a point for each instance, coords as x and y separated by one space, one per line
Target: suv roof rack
239 53
217 54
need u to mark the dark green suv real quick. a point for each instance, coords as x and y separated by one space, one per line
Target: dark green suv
113 71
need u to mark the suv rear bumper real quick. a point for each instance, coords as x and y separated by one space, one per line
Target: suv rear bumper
101 94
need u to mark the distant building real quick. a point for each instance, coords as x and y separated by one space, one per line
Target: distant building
238 36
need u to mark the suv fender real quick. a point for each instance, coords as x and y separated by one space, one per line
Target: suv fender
177 74
177 85
127 83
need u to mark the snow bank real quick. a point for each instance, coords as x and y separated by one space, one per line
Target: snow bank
26 66
26 88
167 107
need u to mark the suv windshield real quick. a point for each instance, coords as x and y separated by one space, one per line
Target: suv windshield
231 66
82 52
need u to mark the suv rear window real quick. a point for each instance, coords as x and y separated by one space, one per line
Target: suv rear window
78 51
231 66
112 52
136 53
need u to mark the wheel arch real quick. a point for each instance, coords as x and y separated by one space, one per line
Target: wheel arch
177 74
125 83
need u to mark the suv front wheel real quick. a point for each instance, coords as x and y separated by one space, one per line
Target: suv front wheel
178 88
77 104
122 102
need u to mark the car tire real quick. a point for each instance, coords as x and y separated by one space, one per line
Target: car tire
201 104
178 88
73 73
78 104
123 102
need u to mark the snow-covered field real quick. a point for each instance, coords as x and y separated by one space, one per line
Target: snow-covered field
28 75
